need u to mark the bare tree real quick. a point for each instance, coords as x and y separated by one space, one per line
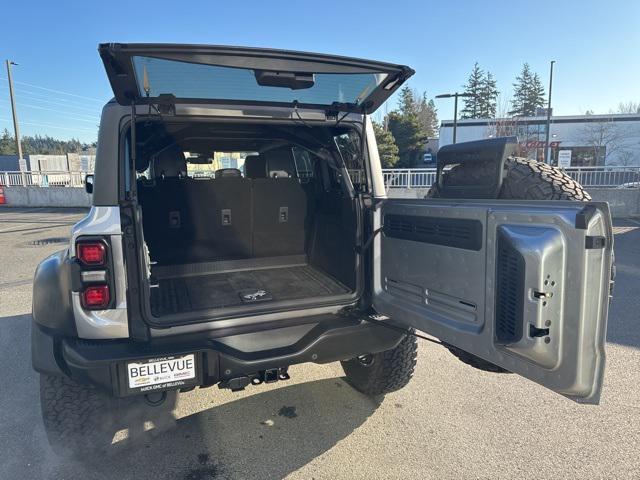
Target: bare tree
628 107
626 158
504 125
603 137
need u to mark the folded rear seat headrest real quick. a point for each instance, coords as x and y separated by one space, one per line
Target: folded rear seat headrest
280 163
170 163
255 166
228 173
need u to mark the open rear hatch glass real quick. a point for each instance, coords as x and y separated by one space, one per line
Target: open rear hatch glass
153 73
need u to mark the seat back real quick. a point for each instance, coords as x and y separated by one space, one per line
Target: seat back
279 208
222 209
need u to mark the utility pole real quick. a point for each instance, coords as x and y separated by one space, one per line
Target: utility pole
547 151
16 128
455 108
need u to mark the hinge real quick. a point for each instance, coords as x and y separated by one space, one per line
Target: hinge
166 104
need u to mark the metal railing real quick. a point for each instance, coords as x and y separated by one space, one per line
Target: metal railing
42 179
613 176
604 177
409 177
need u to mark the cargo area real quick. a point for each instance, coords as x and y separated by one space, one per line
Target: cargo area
275 227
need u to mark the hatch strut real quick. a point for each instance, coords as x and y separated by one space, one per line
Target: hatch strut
131 191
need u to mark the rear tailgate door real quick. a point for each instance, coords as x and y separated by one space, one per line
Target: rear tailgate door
142 73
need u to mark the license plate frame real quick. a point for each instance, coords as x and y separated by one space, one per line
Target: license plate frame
148 375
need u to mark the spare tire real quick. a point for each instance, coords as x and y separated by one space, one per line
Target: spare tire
524 180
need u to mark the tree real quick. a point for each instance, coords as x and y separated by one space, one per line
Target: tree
427 114
407 129
535 99
626 158
7 145
387 148
604 138
628 107
473 87
528 93
488 101
41 145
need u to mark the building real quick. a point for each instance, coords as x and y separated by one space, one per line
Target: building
585 140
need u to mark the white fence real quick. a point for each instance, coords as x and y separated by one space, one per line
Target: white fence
604 177
409 177
42 179
613 176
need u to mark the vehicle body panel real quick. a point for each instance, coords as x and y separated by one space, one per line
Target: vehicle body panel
540 312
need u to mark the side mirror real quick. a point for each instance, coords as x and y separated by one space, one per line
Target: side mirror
88 183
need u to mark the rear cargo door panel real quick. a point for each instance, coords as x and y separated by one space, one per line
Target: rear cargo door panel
214 74
522 285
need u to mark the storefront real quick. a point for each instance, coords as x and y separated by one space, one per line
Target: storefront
587 140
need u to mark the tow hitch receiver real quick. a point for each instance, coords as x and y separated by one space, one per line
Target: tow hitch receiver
263 376
270 376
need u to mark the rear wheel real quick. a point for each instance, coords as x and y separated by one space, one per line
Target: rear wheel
384 372
77 418
81 419
524 180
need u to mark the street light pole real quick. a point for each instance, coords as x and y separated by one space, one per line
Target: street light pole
16 128
547 151
455 117
455 108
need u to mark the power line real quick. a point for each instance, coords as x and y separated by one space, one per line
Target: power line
56 91
50 126
61 114
57 100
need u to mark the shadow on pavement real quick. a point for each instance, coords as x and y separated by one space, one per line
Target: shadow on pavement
625 306
266 435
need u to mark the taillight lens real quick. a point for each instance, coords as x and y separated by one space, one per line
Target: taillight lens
91 253
96 297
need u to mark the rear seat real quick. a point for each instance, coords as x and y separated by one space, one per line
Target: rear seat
222 216
166 217
279 204
229 217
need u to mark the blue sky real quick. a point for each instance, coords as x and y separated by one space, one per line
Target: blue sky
596 45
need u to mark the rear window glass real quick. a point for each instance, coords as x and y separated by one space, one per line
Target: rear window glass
195 81
349 146
304 163
219 161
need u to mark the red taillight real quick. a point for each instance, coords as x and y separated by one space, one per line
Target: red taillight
96 297
91 253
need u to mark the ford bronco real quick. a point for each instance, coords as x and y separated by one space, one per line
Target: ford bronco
240 225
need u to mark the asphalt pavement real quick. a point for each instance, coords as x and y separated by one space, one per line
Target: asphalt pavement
452 421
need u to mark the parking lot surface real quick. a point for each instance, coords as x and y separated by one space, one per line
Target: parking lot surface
452 421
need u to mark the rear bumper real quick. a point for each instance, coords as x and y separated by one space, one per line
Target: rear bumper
103 363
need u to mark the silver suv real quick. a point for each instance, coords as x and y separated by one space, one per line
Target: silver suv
240 224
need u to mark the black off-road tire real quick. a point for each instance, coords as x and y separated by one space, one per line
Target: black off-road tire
524 180
81 420
385 372
78 419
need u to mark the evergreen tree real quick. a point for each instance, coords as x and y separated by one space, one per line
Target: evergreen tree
43 145
7 145
387 147
473 87
488 100
536 95
427 114
528 93
406 128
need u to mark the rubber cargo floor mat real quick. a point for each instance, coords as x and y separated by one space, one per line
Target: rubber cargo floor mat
179 295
